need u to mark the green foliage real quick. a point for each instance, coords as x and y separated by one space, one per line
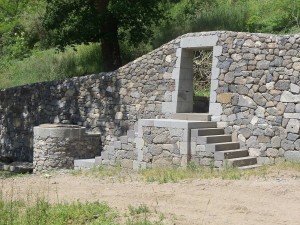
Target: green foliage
49 65
274 16
78 21
71 22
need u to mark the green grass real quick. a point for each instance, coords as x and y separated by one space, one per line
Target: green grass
7 174
202 93
166 175
49 65
41 212
176 174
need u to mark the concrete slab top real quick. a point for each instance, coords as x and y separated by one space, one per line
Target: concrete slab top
174 123
49 125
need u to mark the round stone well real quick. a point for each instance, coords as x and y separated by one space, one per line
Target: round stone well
57 145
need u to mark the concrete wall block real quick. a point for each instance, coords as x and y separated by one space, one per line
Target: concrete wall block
169 107
215 109
198 42
217 50
184 147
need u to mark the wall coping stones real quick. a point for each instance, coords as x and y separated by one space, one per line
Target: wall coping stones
59 131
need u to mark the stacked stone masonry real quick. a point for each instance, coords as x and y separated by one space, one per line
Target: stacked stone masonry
255 96
56 146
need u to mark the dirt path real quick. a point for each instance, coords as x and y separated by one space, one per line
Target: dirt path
255 201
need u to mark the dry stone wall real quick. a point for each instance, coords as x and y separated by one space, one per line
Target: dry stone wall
257 93
255 96
109 103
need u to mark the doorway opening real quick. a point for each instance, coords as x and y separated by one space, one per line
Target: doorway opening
202 69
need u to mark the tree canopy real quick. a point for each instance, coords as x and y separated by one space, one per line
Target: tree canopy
72 22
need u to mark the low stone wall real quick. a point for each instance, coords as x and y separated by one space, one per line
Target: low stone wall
56 146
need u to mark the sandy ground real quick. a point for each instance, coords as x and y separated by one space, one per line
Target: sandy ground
272 200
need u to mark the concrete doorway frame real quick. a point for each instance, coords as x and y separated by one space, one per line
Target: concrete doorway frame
182 97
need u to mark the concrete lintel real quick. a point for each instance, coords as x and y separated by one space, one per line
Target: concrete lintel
198 42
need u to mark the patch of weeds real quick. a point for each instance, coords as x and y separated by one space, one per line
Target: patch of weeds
142 215
98 171
43 213
8 174
202 93
192 171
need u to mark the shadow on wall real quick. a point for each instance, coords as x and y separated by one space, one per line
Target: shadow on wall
86 101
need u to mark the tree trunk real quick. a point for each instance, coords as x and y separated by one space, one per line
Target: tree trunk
109 38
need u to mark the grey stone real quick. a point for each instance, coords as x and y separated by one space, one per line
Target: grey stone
297 108
161 139
263 139
259 99
290 108
292 137
293 126
272 111
246 101
276 142
272 152
229 77
263 65
297 144
155 149
246 132
292 155
283 85
287 145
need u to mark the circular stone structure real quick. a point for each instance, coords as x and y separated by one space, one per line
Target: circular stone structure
57 145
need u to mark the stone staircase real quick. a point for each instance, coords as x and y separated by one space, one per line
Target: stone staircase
219 145
225 151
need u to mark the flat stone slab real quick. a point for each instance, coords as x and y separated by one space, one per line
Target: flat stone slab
177 123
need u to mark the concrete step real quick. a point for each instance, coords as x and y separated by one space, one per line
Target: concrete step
230 154
202 140
243 161
207 132
255 166
87 163
222 146
191 116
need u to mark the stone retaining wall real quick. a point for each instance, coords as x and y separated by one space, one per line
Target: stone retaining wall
257 93
255 96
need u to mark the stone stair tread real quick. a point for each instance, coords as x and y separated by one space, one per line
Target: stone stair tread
191 116
231 154
213 147
250 167
211 139
242 161
241 158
